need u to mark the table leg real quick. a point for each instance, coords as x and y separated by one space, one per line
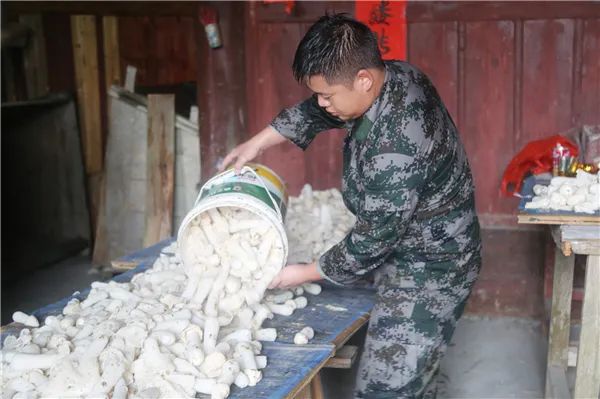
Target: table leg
587 377
316 388
313 390
560 318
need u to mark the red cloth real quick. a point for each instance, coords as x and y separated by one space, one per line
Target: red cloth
536 158
387 19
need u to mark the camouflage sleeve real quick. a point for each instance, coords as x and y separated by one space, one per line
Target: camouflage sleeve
379 228
392 182
302 122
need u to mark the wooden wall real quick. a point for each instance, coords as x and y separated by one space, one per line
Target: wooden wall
163 49
509 81
270 46
508 74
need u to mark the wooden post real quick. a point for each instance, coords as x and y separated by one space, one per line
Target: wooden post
112 59
112 76
85 54
160 163
221 87
587 376
558 340
34 57
87 82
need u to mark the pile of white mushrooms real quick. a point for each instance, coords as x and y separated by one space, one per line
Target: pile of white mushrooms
316 221
579 194
190 324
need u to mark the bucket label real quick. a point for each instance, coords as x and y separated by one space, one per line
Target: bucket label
248 188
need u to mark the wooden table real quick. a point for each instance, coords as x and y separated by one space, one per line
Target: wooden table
573 234
292 370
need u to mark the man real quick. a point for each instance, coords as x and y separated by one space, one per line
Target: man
407 180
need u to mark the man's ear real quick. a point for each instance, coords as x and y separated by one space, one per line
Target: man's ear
364 81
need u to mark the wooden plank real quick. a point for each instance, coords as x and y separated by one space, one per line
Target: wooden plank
110 37
580 232
557 219
585 247
34 57
316 388
560 318
587 376
556 383
85 53
123 264
221 80
9 76
433 44
347 310
587 77
120 8
427 11
112 59
160 168
161 48
488 74
15 34
100 252
344 357
270 51
547 53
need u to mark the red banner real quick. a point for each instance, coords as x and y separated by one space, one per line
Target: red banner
387 18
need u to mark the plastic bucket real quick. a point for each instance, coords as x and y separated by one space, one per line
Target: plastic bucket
256 189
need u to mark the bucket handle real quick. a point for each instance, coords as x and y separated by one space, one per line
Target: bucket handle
244 169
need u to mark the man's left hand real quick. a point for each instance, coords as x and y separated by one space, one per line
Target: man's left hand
294 275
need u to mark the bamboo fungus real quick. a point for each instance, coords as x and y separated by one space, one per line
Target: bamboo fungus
191 323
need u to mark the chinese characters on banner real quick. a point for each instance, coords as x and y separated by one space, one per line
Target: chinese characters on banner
387 18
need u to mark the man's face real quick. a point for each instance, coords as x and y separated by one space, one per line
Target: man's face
343 101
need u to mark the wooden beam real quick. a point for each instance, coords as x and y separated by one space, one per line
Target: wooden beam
85 55
221 87
160 165
578 219
112 59
34 57
344 357
587 375
120 8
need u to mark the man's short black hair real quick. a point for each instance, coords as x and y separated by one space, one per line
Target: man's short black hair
336 47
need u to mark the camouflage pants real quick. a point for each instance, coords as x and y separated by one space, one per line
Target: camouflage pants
410 328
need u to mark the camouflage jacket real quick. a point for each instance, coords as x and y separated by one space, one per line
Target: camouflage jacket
405 177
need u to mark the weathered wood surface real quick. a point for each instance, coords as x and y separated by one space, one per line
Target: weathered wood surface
587 376
343 358
85 54
127 174
221 81
112 58
159 168
34 57
46 213
560 319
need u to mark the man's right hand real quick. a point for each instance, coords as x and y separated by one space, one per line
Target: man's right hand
252 148
241 154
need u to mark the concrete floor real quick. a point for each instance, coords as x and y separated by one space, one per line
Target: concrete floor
488 358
